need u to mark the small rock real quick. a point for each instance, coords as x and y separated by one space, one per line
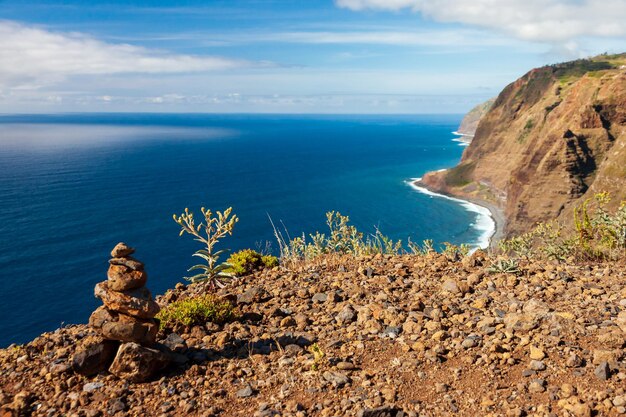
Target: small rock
338 379
94 356
245 392
128 262
121 250
536 353
346 315
602 371
137 363
380 412
116 405
319 298
345 366
537 365
174 342
92 386
137 303
537 386
451 286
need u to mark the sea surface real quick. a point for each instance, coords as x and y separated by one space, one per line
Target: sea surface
72 186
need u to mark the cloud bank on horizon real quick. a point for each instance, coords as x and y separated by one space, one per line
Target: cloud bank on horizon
533 20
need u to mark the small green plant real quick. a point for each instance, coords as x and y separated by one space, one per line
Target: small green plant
455 253
343 239
214 228
504 266
247 261
318 356
197 311
269 261
600 234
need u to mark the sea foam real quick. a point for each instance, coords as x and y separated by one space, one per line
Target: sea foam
484 223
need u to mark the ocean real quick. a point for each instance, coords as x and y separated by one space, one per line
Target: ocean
74 185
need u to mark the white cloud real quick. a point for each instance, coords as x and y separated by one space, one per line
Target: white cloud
556 21
31 57
440 37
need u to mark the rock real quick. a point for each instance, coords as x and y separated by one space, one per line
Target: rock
451 286
94 356
621 320
137 363
602 355
245 392
536 353
346 315
338 379
380 412
115 326
252 295
537 386
574 361
129 329
537 365
121 250
602 371
287 322
567 390
440 387
122 278
128 262
116 405
136 303
319 298
345 366
174 342
92 386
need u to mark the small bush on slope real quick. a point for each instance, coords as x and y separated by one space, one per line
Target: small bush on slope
197 311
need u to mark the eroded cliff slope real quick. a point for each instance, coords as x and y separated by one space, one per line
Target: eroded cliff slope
553 138
469 124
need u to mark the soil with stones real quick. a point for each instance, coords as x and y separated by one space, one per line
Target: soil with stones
378 336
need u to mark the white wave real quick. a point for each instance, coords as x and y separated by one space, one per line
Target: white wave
484 223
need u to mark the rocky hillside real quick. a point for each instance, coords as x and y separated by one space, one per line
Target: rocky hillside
378 336
469 124
552 139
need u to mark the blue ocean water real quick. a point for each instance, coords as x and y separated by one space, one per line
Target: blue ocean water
73 186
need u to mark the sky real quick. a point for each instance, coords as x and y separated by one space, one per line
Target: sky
287 56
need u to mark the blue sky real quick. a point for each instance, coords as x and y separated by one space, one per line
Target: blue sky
342 56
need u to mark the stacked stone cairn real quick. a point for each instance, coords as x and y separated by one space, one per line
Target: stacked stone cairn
125 323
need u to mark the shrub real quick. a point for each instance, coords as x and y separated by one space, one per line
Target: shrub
247 261
343 239
244 262
599 234
215 228
269 261
455 253
504 266
197 311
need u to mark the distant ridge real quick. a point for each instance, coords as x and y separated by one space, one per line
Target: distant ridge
469 124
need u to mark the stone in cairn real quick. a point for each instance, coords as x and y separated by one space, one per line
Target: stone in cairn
127 316
129 310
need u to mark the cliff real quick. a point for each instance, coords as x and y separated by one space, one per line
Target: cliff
552 139
469 124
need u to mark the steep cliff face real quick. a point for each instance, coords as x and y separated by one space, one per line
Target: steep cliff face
469 124
553 138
